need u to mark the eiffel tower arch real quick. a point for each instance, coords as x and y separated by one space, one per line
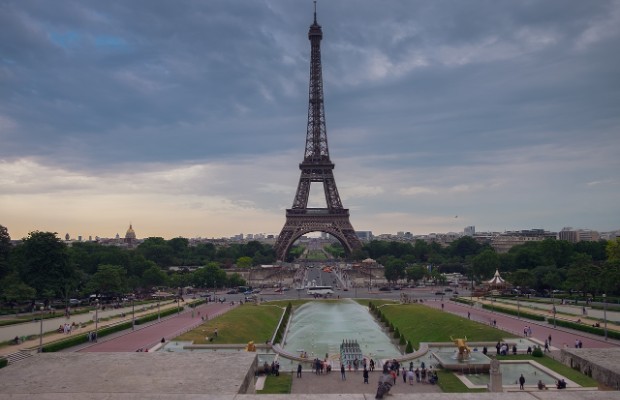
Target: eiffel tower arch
316 168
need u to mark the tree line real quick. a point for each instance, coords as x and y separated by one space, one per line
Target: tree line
42 267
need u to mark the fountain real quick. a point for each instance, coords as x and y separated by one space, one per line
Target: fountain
319 327
463 358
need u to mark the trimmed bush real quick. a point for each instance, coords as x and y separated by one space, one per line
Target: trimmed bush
537 352
524 314
3 362
585 328
396 333
402 341
409 348
464 301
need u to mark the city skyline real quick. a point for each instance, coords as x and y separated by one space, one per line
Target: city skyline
190 120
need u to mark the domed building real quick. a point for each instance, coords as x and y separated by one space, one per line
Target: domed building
130 236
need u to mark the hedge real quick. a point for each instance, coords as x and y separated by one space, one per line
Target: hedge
585 328
282 326
83 338
3 362
510 311
464 301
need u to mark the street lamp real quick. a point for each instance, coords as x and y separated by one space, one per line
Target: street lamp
179 301
605 313
133 314
41 332
96 319
158 313
518 308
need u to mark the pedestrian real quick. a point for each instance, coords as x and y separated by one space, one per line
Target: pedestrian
372 364
468 315
549 339
215 332
529 331
410 376
404 375
521 382
365 375
299 370
342 373
547 345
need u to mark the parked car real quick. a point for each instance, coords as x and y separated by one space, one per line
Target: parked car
447 290
232 291
439 293
385 289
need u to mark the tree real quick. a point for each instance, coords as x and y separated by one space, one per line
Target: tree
209 276
394 269
14 291
484 264
582 274
415 273
522 278
154 276
109 279
43 263
613 250
5 251
235 280
244 262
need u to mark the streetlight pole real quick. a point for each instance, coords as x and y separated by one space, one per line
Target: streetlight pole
158 313
133 314
179 301
96 319
605 313
41 332
518 308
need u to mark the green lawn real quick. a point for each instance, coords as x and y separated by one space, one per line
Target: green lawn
277 384
419 323
449 383
240 325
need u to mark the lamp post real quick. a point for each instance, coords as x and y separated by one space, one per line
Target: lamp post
605 313
158 313
96 319
41 332
179 301
518 308
133 314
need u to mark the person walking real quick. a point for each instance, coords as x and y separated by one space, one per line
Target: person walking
299 370
365 375
521 382
342 373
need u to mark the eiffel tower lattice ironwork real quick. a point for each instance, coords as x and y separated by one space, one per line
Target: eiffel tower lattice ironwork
316 167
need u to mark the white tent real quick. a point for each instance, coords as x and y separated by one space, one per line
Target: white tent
497 280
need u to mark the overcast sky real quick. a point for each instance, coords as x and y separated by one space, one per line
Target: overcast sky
189 118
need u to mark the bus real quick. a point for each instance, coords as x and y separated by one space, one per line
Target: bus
320 291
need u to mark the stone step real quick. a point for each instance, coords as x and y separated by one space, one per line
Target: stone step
18 356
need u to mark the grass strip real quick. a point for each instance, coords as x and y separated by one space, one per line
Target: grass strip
450 383
277 384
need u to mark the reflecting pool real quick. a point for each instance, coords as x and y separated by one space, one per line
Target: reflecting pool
319 327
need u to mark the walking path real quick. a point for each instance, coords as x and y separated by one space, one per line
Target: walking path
151 335
561 337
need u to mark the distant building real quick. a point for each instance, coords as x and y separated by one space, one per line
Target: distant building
578 235
469 231
364 236
509 239
130 237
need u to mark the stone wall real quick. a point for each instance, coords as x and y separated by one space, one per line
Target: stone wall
600 364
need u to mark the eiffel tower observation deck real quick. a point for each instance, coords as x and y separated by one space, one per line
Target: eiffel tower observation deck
316 167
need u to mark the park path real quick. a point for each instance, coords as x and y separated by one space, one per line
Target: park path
168 328
560 337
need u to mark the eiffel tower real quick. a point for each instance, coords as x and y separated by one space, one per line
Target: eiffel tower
316 167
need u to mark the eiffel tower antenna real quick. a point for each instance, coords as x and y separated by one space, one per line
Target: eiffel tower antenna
318 168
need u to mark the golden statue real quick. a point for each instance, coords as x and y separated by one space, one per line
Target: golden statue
464 350
251 346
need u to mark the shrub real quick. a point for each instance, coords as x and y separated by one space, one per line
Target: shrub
537 352
409 348
585 328
396 333
3 362
402 340
510 311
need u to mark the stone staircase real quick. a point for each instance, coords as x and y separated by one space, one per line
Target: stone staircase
18 356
